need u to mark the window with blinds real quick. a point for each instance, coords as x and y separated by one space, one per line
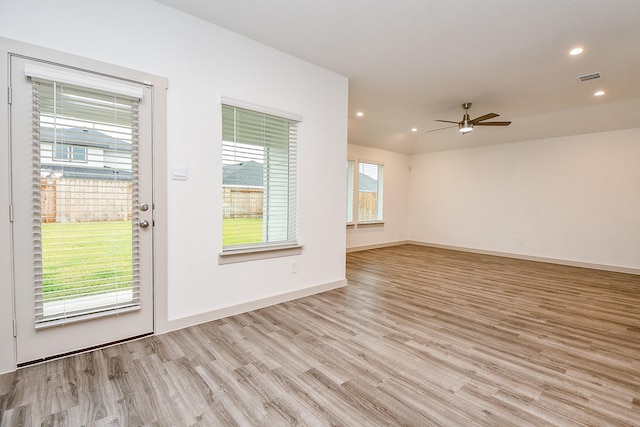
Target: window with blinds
259 179
84 184
370 185
350 169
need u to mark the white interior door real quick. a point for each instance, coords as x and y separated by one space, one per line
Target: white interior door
81 183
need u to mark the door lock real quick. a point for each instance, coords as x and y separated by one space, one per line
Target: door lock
144 207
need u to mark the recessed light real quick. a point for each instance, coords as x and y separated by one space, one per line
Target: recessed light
599 93
576 51
359 114
414 129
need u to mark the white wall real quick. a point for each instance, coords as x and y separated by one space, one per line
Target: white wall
395 199
202 63
570 199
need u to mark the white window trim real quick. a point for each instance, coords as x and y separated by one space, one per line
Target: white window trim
253 254
364 224
260 108
357 223
244 254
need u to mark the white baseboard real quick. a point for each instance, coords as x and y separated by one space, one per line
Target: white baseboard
594 266
209 316
377 246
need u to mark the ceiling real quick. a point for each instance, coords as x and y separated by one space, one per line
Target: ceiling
410 62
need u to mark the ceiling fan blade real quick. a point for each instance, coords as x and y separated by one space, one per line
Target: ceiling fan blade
435 130
447 121
492 124
485 117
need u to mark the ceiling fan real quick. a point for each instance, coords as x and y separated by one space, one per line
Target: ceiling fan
466 124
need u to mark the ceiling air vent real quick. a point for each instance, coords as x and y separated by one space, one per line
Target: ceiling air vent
589 77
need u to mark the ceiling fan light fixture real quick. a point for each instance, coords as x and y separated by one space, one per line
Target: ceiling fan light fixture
465 127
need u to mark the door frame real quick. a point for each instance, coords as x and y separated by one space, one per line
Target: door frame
159 87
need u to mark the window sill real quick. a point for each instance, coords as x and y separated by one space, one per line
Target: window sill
350 225
370 224
252 254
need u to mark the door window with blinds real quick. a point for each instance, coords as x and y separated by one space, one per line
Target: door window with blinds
259 179
84 185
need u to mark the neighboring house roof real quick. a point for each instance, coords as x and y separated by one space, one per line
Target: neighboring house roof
250 174
89 138
84 172
245 174
84 138
366 183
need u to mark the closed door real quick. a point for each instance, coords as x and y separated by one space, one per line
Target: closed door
82 209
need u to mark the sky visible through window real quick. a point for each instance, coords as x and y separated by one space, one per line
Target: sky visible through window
241 153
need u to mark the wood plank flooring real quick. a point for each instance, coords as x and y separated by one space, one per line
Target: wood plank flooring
420 337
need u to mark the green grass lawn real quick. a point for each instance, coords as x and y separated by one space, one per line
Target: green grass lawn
241 231
97 255
85 257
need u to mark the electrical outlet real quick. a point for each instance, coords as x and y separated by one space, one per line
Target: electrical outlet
518 240
294 267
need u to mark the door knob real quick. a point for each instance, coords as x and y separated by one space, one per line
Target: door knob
144 224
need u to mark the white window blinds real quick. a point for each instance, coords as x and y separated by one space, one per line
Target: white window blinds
85 169
350 170
259 179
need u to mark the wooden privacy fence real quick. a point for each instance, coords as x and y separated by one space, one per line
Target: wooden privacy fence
246 202
367 205
242 202
84 200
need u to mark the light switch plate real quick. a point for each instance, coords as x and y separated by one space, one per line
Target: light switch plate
179 172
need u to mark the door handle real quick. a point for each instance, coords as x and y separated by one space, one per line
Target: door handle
144 224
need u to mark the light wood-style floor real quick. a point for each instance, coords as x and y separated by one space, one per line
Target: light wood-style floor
420 337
